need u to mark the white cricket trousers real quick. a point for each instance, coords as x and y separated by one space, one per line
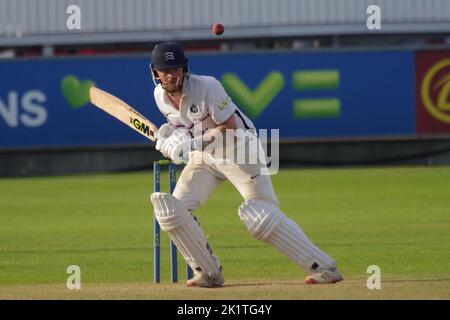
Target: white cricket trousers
260 209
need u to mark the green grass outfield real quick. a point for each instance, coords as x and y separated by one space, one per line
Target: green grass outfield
396 218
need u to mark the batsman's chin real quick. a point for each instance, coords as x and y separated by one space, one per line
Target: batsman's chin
171 86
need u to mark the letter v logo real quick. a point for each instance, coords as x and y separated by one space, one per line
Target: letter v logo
256 101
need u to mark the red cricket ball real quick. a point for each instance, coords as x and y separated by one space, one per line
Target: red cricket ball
218 29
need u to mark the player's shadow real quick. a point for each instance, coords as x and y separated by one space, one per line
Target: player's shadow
259 284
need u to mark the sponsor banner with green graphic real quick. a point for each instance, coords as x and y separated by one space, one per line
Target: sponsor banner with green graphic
45 103
76 92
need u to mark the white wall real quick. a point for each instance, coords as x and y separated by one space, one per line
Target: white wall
44 21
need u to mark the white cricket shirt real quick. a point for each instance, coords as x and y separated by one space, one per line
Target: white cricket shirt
203 101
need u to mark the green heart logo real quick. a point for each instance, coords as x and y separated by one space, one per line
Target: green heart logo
75 91
256 101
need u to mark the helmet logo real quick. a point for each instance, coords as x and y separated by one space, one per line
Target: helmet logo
193 108
169 56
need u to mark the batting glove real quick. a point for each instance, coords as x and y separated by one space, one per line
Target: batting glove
178 146
163 134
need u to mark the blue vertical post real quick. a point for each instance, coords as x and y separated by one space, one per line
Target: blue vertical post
156 227
173 248
189 273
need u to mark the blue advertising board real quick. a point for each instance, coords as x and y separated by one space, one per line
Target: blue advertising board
44 102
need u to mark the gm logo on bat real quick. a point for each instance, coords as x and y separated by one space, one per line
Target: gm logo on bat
140 126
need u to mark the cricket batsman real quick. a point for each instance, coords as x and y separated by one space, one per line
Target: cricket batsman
190 102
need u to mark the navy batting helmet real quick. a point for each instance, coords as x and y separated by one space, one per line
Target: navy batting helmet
167 55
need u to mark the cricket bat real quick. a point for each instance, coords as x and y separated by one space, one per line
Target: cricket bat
123 112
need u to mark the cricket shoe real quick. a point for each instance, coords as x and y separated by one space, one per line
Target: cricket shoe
204 281
324 276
